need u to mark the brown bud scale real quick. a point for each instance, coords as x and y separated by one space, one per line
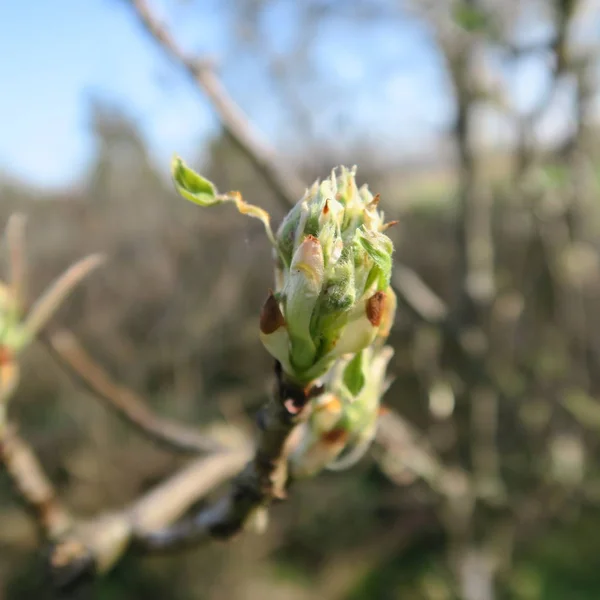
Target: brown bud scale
271 317
375 308
335 436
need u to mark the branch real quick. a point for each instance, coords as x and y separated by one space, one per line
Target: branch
31 483
96 545
82 548
263 480
418 296
406 449
286 185
128 405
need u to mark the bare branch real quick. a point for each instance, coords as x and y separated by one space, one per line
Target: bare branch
33 486
406 449
127 404
48 303
418 296
168 501
263 480
97 544
286 185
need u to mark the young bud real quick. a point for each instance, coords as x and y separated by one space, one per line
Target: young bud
343 421
343 311
301 292
332 270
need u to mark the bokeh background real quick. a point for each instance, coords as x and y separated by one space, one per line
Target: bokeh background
477 122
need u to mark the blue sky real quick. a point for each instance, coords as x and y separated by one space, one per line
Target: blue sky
57 54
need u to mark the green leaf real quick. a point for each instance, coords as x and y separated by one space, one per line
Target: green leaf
379 247
286 234
354 378
374 274
302 291
197 189
193 186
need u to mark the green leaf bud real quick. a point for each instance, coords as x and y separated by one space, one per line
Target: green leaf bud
333 266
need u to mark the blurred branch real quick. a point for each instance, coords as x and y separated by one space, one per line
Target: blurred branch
31 483
286 185
405 449
93 546
418 296
47 304
97 544
263 480
128 405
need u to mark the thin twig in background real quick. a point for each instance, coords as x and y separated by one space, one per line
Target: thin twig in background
151 522
127 404
98 543
34 488
284 182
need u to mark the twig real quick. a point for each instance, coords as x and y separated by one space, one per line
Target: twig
47 304
127 404
95 546
286 185
404 444
263 480
33 486
418 296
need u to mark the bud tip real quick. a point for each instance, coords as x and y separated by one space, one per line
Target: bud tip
387 226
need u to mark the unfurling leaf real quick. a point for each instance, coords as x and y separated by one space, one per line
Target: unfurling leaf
193 186
354 378
201 191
